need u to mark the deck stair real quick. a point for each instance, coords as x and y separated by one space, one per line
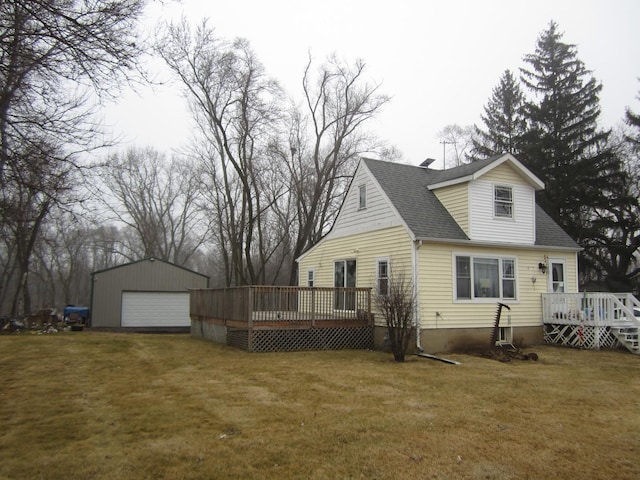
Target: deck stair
592 320
626 331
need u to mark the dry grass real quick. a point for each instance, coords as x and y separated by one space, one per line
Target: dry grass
123 406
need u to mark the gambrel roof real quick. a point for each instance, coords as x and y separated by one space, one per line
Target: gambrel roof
410 190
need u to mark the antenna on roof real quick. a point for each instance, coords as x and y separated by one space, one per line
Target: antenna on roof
444 152
427 162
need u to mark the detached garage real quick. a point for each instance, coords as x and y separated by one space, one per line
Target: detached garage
150 294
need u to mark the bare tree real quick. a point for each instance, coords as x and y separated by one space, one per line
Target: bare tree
326 138
158 200
235 106
34 187
53 55
62 263
457 143
396 301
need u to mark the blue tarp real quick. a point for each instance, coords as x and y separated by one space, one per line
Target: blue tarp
82 312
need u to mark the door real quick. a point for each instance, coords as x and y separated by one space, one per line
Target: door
155 309
344 276
557 276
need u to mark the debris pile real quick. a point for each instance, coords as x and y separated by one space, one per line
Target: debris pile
40 322
502 350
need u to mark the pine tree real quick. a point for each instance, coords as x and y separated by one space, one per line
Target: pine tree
633 120
563 144
503 119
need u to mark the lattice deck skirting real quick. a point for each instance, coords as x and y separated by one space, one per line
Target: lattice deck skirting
580 336
356 338
286 339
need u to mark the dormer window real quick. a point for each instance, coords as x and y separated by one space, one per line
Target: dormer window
503 201
363 197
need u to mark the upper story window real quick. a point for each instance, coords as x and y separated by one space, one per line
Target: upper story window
485 277
503 201
363 197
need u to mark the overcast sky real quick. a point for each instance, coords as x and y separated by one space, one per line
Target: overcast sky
439 61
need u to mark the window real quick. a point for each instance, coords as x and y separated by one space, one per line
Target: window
505 336
463 277
344 274
557 276
382 281
363 197
485 277
310 277
503 201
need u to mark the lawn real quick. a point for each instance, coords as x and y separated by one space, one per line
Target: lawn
88 405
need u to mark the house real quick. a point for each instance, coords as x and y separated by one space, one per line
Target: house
466 238
148 294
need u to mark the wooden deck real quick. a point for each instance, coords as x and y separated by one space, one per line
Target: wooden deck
266 318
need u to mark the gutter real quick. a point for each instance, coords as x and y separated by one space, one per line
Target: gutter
514 246
416 310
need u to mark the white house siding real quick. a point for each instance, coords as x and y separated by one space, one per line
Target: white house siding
455 199
485 227
377 214
436 267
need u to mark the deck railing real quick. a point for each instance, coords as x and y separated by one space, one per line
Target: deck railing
255 306
588 308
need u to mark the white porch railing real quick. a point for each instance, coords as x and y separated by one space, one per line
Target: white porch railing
592 320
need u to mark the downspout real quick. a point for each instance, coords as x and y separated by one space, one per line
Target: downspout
416 315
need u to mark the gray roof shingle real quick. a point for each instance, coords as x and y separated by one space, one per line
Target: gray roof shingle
406 186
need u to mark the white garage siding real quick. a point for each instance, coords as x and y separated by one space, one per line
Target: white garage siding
155 309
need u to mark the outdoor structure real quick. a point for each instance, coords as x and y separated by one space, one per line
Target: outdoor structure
271 318
149 294
466 238
592 320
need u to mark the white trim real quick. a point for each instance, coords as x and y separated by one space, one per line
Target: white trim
155 309
512 202
501 278
362 188
379 260
534 181
550 262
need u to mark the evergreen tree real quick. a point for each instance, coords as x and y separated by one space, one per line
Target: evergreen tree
503 119
633 120
563 144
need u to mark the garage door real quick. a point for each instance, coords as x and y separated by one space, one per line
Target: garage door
155 309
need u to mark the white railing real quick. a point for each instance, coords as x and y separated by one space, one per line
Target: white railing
589 308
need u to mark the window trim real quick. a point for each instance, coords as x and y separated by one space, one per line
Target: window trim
311 277
362 197
510 203
380 261
501 278
348 299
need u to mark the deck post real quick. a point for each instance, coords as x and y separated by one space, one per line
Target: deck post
313 307
249 313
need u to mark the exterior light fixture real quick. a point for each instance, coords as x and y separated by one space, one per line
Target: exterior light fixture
542 267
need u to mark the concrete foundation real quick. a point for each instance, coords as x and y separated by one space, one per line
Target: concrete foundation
461 339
